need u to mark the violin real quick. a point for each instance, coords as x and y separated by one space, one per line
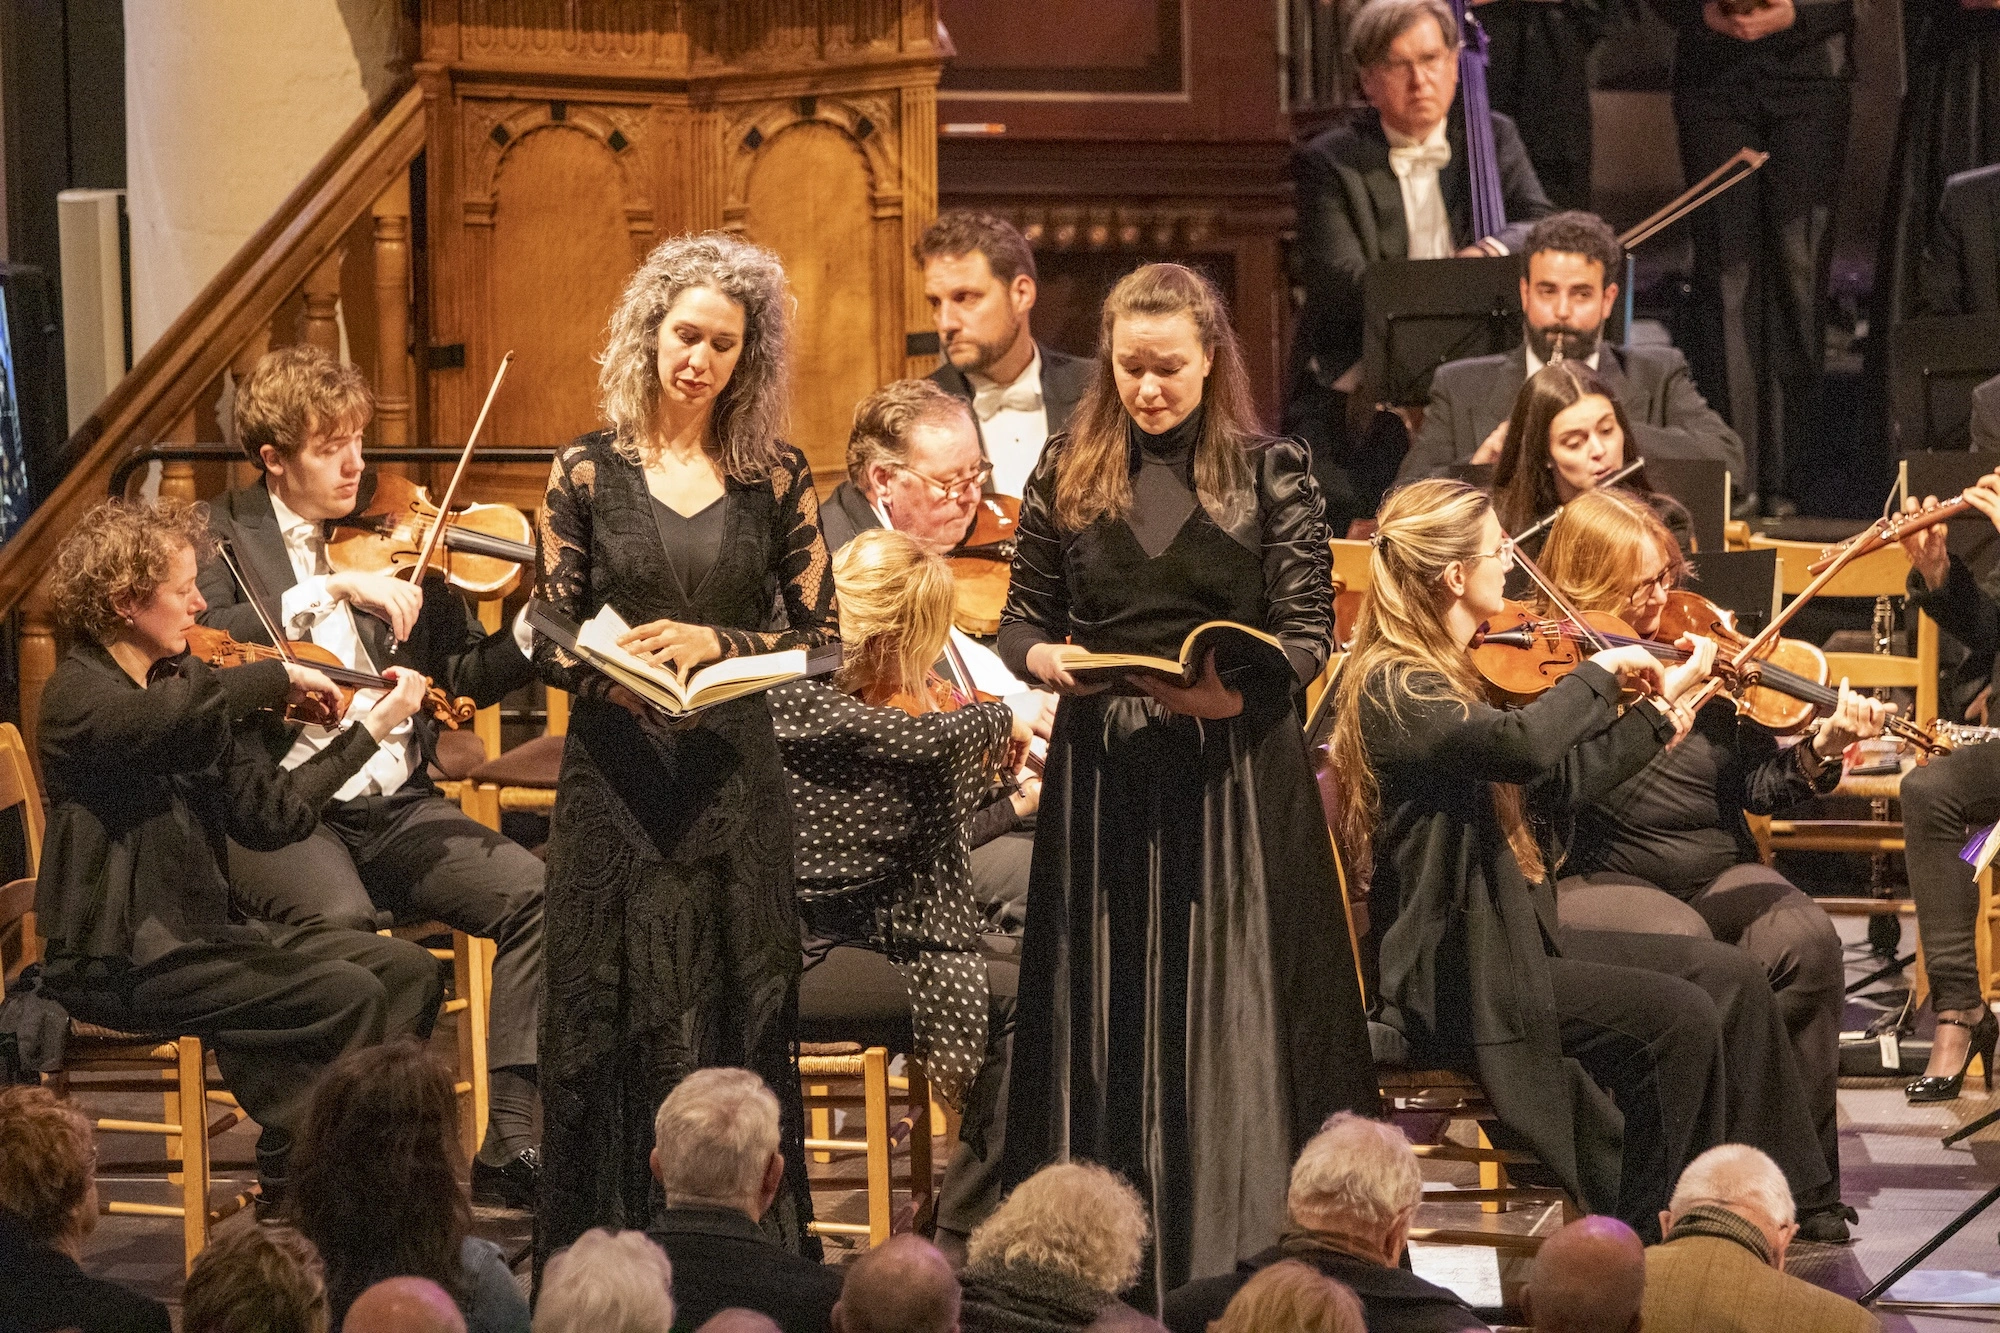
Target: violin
941 696
482 551
1520 653
221 650
1780 705
982 565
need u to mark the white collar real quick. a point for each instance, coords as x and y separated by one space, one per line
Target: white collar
1397 139
1535 363
1030 377
289 523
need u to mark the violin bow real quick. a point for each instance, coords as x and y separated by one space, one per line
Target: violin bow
253 595
1557 600
436 534
1696 195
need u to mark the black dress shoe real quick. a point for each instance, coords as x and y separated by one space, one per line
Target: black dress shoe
509 1185
1828 1225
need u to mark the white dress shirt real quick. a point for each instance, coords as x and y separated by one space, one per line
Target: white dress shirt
1417 163
1013 424
307 611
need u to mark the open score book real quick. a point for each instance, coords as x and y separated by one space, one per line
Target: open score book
675 693
1182 670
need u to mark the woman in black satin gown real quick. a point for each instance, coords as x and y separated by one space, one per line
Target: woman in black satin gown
1189 1013
673 939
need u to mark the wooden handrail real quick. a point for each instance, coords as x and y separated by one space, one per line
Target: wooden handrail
168 381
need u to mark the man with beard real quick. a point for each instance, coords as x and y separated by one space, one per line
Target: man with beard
1567 293
979 279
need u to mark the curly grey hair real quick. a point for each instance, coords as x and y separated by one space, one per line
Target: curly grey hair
750 407
1076 1218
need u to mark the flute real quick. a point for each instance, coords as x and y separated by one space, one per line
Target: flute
1888 531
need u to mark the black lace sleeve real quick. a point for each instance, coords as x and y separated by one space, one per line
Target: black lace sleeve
805 570
1037 594
565 567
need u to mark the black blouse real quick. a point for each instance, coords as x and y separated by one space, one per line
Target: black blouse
145 783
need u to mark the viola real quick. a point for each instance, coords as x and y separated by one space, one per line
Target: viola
1770 692
482 550
982 565
221 650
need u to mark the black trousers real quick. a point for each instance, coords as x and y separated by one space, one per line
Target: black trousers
1762 253
1538 73
277 1004
1000 886
1943 801
1759 911
1764 1103
1354 468
857 993
1654 1043
418 856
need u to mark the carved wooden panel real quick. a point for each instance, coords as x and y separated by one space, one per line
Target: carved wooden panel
569 136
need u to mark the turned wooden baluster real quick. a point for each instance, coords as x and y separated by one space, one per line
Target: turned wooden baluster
392 314
245 473
317 321
37 654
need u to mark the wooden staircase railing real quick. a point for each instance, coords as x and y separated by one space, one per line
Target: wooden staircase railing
292 263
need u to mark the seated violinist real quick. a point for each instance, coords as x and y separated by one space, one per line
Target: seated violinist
1568 435
887 767
1668 851
147 773
388 842
914 465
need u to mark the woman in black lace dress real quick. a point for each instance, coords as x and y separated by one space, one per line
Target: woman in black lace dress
1189 1011
673 937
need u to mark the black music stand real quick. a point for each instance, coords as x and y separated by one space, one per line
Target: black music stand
1702 487
1935 362
1418 314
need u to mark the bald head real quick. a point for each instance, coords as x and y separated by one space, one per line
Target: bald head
737 1320
1590 1277
404 1305
900 1286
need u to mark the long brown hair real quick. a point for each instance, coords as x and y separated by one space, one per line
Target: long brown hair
1401 643
1094 474
1524 482
1595 554
375 1172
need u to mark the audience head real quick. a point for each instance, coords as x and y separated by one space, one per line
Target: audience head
299 415
914 453
607 1282
1164 348
48 1168
715 1143
902 1285
126 574
1747 1183
1359 1178
404 1305
895 601
1075 1218
1407 52
979 280
376 1171
1609 551
1590 1277
1570 283
703 328
256 1279
1568 433
1295 1297
738 1320
1439 567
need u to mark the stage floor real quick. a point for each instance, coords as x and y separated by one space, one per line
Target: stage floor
1895 1173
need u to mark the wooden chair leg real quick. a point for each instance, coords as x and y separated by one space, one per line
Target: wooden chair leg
922 1180
472 984
822 1121
875 1101
1492 1176
170 1113
193 1120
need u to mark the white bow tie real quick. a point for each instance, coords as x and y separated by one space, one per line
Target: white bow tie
1419 157
987 402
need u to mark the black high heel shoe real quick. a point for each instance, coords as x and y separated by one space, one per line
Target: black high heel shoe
1943 1087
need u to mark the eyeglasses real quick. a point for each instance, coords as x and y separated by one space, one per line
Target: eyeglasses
1431 66
1662 581
949 491
1505 555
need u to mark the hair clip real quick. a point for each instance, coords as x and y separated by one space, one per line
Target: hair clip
1375 539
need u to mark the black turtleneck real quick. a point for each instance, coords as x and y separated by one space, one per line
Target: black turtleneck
1163 492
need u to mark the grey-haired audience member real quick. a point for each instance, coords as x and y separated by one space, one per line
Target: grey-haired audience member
607 1282
1056 1254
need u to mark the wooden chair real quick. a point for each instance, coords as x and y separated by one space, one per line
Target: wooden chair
847 1076
523 778
99 1060
468 1007
1456 1095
